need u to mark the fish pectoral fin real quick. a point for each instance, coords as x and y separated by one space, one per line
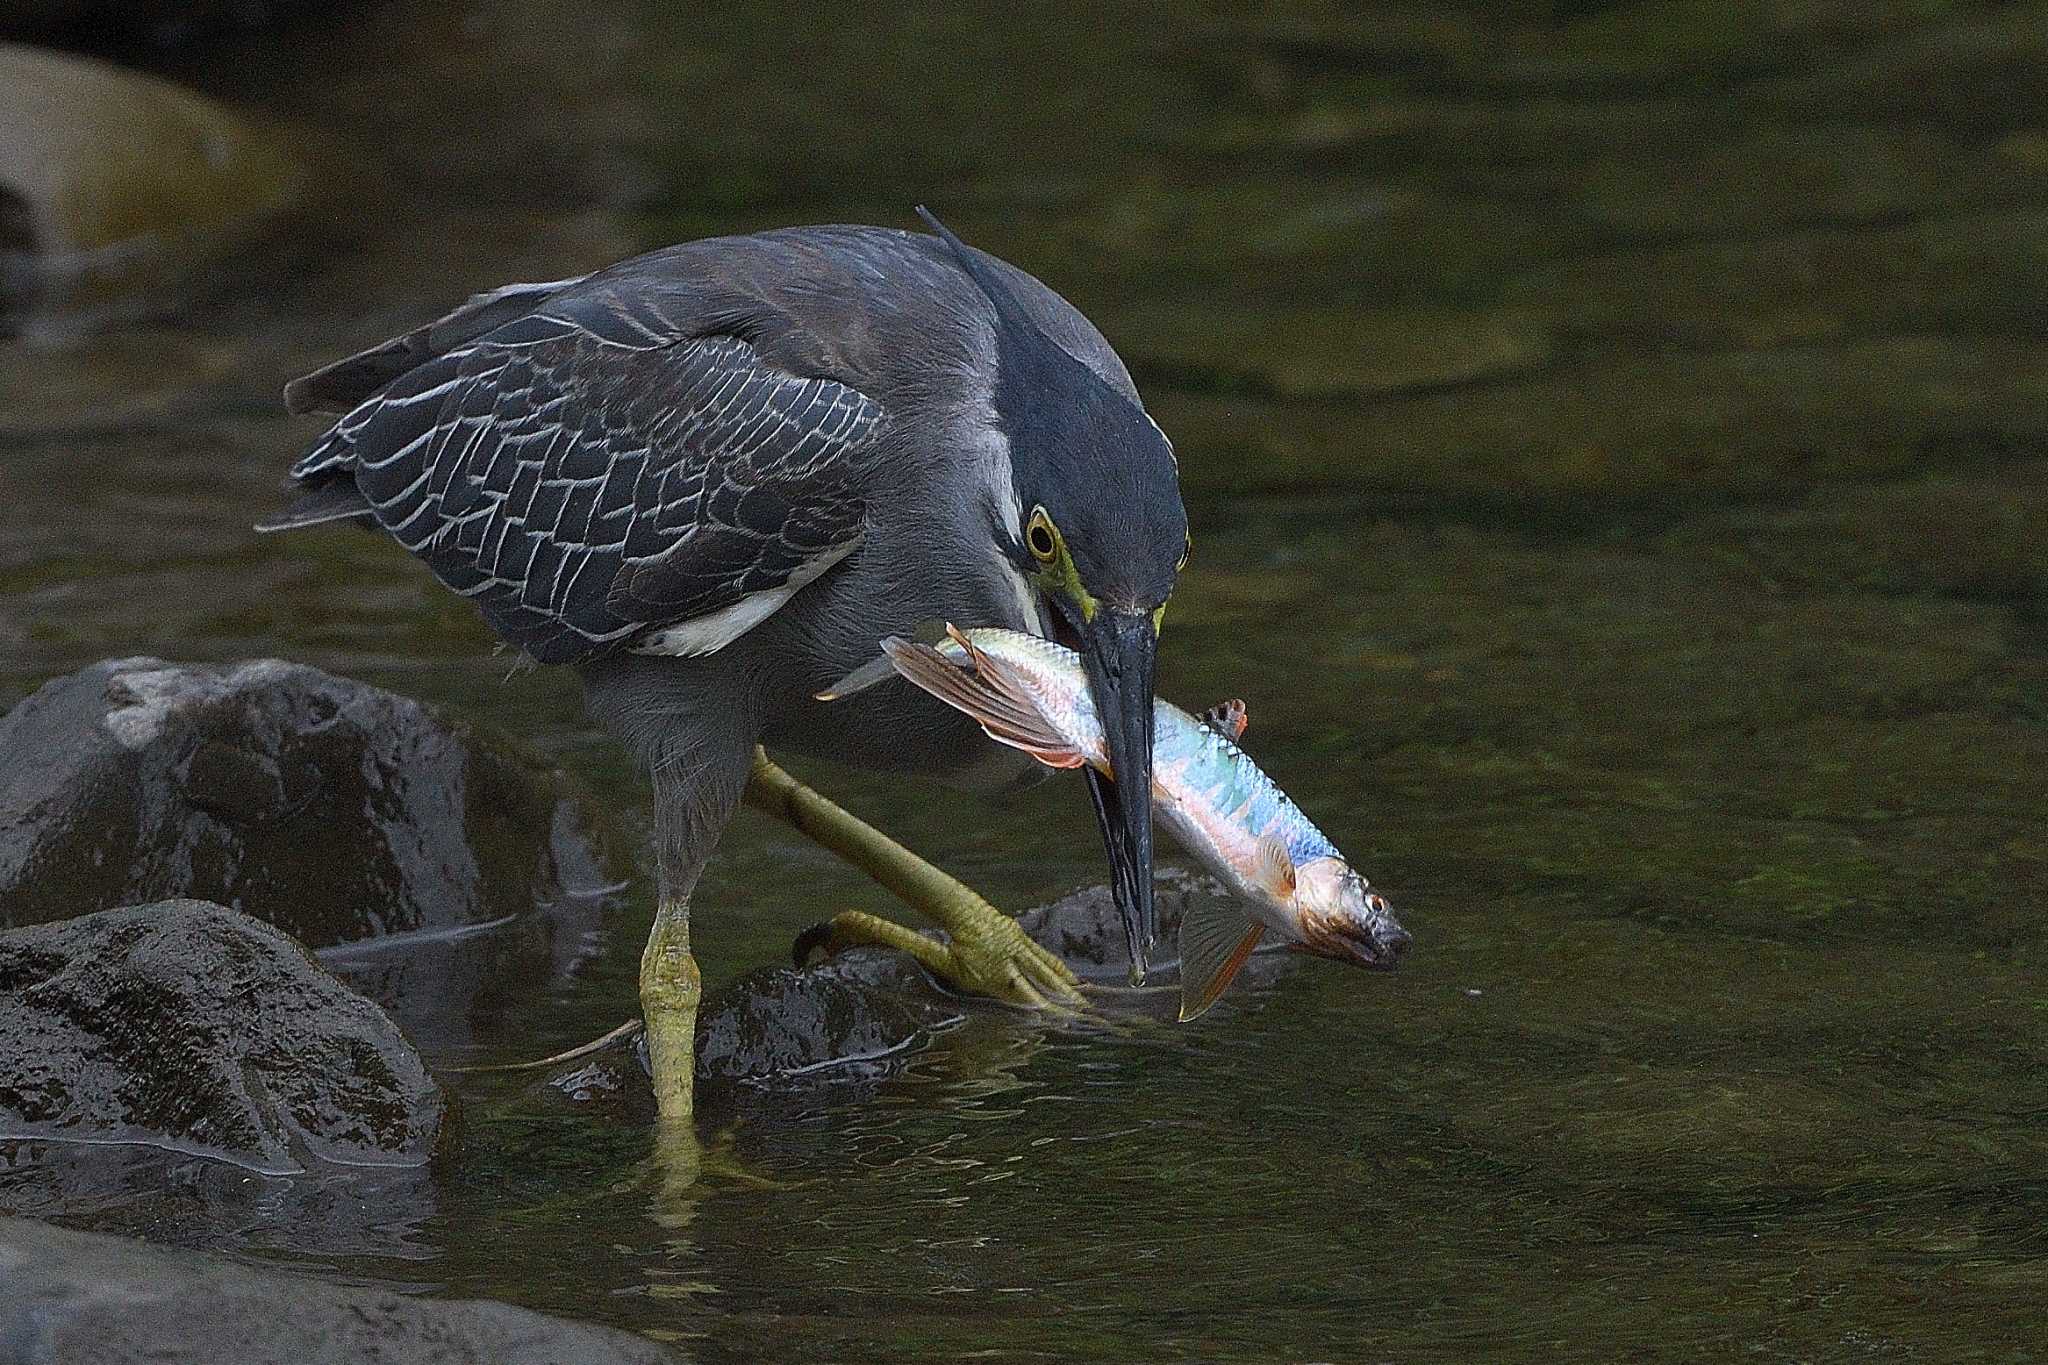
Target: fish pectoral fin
975 690
1228 719
1216 939
1273 868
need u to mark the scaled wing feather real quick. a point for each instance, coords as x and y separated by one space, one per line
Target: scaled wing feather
595 480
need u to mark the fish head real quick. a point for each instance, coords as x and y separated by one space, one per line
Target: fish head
1340 916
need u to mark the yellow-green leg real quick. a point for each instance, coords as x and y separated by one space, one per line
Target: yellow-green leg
695 791
988 953
670 988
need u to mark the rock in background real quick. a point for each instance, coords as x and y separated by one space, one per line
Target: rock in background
115 188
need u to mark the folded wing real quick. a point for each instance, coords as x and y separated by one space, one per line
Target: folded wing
592 478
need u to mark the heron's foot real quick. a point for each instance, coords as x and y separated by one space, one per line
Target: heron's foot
684 1168
722 1161
989 954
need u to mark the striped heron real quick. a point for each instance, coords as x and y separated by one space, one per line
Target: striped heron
711 478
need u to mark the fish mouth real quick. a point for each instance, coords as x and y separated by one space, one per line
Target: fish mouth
1370 937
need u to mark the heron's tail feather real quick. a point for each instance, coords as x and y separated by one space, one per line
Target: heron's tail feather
336 500
342 385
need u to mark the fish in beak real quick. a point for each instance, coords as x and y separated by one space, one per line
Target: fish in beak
1118 651
1286 883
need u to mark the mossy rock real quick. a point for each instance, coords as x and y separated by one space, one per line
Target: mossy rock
117 184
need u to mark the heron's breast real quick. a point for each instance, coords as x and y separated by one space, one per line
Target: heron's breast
893 727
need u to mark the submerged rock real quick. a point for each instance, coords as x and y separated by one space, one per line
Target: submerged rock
855 1011
115 185
186 1025
332 809
862 1014
1085 928
77 1296
176 1198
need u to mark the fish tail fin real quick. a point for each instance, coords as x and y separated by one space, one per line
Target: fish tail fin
983 690
880 669
1216 940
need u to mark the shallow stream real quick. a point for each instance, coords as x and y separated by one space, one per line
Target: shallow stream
1614 437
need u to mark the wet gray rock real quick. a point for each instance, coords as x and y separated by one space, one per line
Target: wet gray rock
861 1015
73 1296
850 1019
335 810
187 1025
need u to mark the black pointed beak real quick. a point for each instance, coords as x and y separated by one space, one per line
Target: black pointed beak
1119 649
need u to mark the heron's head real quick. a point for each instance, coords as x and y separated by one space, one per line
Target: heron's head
1102 535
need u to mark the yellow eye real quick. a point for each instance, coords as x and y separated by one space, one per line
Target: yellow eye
1039 536
1185 551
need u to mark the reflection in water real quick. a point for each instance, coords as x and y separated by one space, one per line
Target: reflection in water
447 987
331 1216
1612 434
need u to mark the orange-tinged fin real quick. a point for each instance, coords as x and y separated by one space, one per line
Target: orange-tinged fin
1272 868
976 691
1216 939
1227 718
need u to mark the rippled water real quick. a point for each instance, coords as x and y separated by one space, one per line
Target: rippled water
1613 435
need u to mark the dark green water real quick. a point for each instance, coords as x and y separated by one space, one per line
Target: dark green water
1617 442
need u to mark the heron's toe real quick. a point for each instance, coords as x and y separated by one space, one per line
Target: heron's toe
1005 962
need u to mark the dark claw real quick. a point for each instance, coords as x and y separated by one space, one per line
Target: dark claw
813 945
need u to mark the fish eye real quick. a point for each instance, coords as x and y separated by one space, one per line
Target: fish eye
1039 536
